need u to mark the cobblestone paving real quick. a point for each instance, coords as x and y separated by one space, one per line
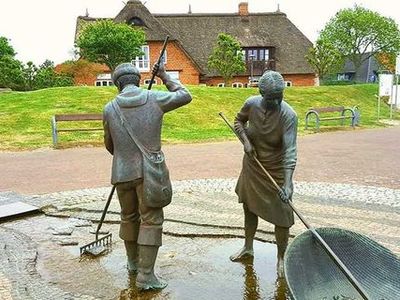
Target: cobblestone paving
34 266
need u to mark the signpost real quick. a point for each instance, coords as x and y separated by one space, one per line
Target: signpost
385 90
397 73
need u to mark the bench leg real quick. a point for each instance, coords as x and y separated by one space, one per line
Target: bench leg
54 131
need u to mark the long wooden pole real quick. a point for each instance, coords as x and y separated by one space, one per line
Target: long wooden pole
158 62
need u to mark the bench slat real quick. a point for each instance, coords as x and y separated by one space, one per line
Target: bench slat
79 117
328 109
336 118
79 129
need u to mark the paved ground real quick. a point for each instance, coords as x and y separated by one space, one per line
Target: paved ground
367 157
344 179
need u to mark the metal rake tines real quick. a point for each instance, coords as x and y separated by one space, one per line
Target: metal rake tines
104 241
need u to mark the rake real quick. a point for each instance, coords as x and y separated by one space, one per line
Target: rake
100 245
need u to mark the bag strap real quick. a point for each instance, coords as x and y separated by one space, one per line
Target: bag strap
149 154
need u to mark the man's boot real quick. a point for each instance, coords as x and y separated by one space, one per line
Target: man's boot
146 279
131 232
132 254
282 237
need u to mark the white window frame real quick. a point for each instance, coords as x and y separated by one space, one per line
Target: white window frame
221 84
237 85
143 62
103 82
288 83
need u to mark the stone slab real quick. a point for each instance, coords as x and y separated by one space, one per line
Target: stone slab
17 209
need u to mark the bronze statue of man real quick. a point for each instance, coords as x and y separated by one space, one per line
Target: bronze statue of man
267 126
142 111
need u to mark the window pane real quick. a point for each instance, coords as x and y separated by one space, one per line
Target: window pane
266 56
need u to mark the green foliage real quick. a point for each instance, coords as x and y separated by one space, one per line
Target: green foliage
11 73
6 48
358 33
110 43
324 58
227 57
26 116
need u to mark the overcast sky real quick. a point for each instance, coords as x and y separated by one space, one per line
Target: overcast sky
44 29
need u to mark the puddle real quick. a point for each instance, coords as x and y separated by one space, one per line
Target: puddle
209 274
200 268
195 268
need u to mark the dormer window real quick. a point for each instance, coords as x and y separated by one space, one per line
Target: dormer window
135 21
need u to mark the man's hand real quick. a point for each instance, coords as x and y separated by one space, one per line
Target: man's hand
160 69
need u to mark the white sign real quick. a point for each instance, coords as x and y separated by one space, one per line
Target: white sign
398 65
392 100
385 84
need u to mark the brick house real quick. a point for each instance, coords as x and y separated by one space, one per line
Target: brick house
269 41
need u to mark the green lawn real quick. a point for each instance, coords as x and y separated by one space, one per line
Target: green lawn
25 116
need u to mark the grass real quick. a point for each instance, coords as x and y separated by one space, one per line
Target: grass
25 116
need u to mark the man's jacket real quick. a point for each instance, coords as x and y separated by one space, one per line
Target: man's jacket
144 111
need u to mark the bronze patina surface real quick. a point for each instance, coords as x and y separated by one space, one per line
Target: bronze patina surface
267 125
139 112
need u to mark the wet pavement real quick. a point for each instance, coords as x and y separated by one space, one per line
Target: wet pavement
37 267
203 227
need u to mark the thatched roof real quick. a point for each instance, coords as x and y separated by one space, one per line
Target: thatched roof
82 22
153 29
198 33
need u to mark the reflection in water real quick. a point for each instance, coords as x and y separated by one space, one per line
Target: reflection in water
281 292
132 292
251 289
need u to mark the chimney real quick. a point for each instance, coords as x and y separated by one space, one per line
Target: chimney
243 9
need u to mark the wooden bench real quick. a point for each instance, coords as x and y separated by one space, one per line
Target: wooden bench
73 118
340 109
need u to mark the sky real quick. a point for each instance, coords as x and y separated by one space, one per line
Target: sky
44 29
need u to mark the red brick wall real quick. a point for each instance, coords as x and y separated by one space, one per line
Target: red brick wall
296 79
300 79
177 60
214 81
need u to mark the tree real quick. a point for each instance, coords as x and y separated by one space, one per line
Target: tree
110 43
45 77
6 48
359 33
227 57
11 69
11 73
324 58
387 61
30 71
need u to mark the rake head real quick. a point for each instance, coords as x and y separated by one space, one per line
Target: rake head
98 247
